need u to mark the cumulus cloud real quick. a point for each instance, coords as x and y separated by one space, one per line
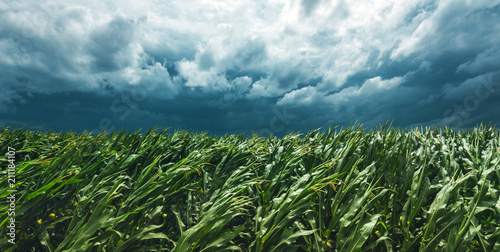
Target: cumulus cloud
304 96
488 60
368 90
454 26
350 95
481 86
208 79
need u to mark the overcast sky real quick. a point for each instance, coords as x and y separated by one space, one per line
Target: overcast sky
241 66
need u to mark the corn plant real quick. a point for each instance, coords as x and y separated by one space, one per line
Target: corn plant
344 189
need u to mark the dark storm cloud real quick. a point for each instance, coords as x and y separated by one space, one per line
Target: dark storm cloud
309 6
242 66
251 53
106 43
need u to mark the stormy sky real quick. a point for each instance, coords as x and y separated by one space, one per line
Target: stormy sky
241 66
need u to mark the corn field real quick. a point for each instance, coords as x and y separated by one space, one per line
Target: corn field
333 190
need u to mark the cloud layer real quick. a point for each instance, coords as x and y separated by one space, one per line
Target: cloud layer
240 66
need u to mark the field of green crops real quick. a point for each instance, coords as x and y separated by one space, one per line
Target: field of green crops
334 190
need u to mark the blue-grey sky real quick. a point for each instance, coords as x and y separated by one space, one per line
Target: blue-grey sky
240 66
